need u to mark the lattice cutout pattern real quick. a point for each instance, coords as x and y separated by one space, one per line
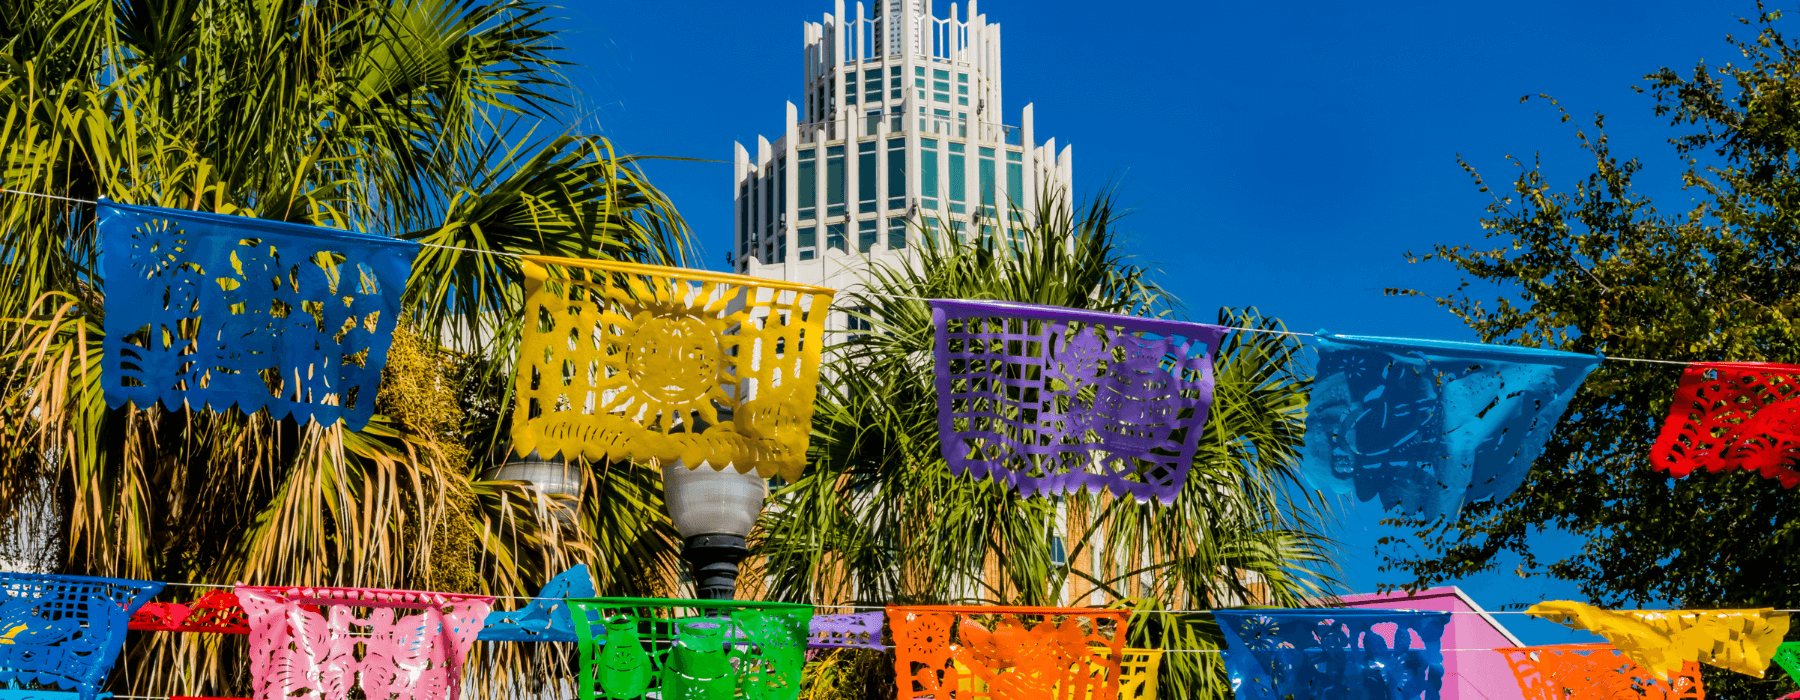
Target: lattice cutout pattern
1007 653
690 649
853 630
64 632
1137 674
1787 655
546 617
1427 425
216 612
1733 415
1660 641
16 694
1334 654
328 643
1595 672
620 361
1056 400
213 311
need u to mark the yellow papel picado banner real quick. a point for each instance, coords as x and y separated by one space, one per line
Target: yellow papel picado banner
1660 640
626 361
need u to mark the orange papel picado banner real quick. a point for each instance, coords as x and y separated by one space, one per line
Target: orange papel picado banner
1659 641
626 361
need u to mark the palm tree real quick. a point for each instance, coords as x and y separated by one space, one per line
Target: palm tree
421 119
879 519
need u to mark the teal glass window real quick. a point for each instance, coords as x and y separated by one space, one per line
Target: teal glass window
1015 181
781 190
962 78
834 180
866 233
865 177
809 239
896 173
896 233
834 237
768 201
986 173
809 184
928 172
781 247
958 178
919 83
940 74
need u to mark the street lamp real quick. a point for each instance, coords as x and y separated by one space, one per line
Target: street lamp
546 475
713 510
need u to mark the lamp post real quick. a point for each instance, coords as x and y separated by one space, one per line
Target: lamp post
713 510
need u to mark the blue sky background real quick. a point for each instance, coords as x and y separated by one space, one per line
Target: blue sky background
1284 155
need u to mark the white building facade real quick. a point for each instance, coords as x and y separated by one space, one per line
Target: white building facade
901 133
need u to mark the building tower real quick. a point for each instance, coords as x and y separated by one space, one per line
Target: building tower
901 133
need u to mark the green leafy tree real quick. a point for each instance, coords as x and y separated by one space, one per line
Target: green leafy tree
1596 267
415 119
878 517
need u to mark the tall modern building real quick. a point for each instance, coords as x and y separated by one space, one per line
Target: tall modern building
902 132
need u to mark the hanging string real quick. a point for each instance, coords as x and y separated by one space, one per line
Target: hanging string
864 293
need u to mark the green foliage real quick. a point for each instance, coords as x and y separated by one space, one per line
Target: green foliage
878 518
1596 267
849 674
410 119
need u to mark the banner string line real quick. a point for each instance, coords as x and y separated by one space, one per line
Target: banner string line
864 293
884 607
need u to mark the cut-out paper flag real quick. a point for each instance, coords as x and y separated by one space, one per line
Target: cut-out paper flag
1007 653
1571 671
1660 641
1055 400
1137 674
309 642
216 612
546 617
852 630
623 361
63 633
1787 655
1337 654
1733 415
639 648
205 310
1427 425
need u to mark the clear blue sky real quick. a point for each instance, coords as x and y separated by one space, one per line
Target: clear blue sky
1284 155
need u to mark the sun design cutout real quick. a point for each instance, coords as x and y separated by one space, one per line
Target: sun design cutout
638 362
672 360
